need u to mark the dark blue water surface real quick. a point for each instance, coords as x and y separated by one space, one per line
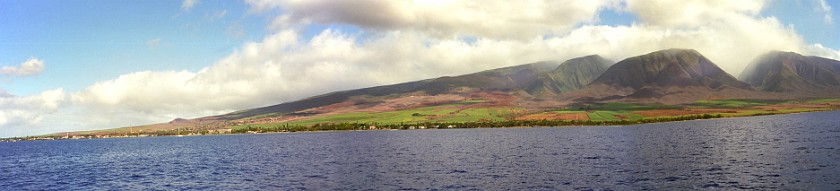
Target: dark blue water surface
798 151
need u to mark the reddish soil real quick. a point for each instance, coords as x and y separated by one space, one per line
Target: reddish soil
338 105
494 98
381 104
394 104
675 112
799 105
555 116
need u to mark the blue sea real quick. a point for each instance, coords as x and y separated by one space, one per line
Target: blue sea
782 152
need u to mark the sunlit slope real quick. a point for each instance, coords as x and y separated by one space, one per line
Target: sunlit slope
571 75
792 73
528 80
672 76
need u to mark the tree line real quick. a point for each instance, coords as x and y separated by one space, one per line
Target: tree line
454 125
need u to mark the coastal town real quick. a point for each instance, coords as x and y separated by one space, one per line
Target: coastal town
76 136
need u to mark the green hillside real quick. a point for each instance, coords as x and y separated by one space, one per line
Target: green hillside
570 75
793 73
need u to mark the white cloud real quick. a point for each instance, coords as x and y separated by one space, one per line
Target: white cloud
30 67
5 94
218 15
825 9
729 32
188 4
282 68
691 13
822 51
153 43
490 18
235 30
18 113
263 5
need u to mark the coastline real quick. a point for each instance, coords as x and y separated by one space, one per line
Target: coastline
468 125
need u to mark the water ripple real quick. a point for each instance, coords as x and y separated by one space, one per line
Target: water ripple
786 152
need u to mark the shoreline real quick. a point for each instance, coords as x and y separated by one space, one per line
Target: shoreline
564 123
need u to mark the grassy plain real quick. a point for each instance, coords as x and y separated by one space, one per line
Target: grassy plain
442 113
462 112
481 111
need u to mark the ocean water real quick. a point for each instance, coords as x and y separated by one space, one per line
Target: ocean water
797 151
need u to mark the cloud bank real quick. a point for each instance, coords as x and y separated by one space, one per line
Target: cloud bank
492 18
399 41
30 67
25 114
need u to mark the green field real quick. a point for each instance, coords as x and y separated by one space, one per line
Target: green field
612 115
567 111
470 114
835 100
615 106
731 103
475 114
596 112
465 112
443 113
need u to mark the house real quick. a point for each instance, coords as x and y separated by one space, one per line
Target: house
220 131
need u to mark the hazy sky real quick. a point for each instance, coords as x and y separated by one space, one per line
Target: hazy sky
93 64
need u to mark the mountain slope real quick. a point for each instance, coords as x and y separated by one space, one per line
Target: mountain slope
792 73
535 79
670 76
569 75
673 67
502 79
508 79
323 100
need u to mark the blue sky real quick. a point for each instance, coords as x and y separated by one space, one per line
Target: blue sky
808 20
88 41
82 43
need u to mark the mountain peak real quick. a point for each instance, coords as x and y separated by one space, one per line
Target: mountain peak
669 67
791 72
591 56
667 76
572 74
778 52
673 52
677 51
178 120
584 60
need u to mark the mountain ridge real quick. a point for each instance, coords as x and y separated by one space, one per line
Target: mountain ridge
669 77
511 79
672 76
792 73
570 75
